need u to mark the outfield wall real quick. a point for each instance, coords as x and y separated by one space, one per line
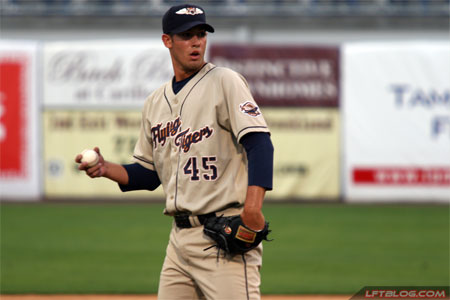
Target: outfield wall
93 92
361 122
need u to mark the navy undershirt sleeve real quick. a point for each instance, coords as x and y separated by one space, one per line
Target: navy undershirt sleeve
140 178
259 150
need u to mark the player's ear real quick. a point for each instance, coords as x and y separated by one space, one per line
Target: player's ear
167 40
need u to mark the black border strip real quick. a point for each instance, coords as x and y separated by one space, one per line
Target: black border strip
239 133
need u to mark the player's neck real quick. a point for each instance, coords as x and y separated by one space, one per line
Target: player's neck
181 74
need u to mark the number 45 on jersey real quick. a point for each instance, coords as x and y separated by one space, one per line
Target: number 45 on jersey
207 170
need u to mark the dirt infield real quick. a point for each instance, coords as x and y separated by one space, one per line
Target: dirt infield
153 297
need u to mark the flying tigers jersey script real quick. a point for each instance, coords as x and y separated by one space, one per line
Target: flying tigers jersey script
191 139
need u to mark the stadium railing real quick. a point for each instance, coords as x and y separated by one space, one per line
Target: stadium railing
230 8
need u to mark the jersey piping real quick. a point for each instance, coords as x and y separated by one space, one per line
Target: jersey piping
167 100
144 160
181 109
246 278
179 152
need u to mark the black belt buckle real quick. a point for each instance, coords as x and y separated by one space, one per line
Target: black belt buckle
203 218
182 221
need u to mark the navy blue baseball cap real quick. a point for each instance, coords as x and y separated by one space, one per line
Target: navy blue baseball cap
183 17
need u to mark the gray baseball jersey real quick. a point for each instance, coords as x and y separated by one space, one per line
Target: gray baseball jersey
191 139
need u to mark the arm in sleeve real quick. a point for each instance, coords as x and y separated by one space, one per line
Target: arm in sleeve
238 112
140 178
259 150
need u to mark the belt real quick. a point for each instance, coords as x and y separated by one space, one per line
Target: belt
188 221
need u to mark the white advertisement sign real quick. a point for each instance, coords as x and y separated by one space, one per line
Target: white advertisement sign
19 122
104 74
396 121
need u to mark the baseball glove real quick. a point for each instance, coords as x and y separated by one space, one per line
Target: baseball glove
232 236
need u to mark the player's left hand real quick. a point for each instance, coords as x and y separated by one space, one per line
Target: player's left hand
253 219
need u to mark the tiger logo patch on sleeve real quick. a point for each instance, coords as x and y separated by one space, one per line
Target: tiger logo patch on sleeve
250 109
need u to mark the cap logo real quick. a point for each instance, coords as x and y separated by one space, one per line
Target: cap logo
190 11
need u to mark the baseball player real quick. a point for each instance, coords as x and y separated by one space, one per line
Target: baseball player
205 140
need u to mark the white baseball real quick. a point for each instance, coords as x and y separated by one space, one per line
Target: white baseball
90 157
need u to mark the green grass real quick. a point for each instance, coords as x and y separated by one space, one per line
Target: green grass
82 248
317 248
341 248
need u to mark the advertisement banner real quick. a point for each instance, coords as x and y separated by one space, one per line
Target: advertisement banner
306 157
68 133
396 113
285 75
13 131
298 89
19 157
104 74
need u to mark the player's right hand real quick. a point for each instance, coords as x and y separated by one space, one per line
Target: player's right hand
97 170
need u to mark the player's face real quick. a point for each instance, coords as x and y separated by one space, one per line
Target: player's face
187 50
